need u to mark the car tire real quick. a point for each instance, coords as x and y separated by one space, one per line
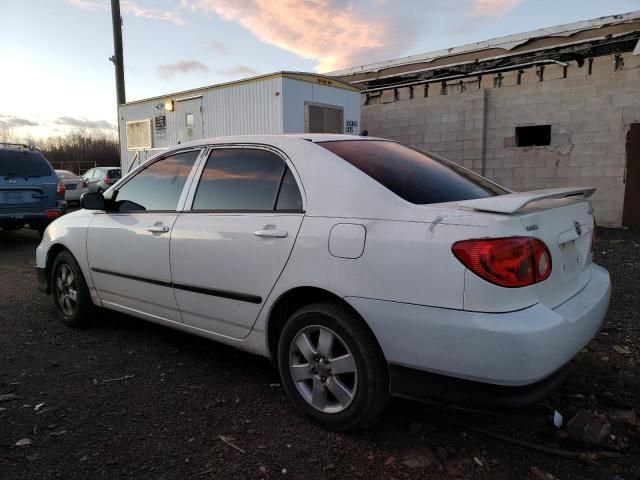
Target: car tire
70 293
342 382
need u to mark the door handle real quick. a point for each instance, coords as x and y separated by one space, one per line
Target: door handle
271 233
158 229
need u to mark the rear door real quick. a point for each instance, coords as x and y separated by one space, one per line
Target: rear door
189 113
128 247
91 177
228 251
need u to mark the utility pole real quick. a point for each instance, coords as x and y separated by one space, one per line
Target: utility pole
117 59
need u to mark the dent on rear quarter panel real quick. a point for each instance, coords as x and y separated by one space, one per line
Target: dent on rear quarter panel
401 262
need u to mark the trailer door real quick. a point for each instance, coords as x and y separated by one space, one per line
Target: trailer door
189 119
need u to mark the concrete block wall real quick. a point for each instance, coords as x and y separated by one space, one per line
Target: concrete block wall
473 123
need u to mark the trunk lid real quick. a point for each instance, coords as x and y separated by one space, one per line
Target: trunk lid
564 224
566 227
72 184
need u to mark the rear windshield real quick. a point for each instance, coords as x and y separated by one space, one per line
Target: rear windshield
115 173
414 175
18 163
64 175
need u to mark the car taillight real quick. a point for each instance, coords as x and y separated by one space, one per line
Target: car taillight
51 214
107 180
60 190
507 262
85 184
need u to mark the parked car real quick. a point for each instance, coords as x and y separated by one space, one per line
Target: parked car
360 266
101 178
74 186
30 192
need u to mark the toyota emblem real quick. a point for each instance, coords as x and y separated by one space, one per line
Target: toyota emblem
578 228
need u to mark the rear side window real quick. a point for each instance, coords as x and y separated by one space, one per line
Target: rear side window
411 174
244 179
289 197
157 187
18 163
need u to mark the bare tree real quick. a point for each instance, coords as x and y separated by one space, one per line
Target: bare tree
80 150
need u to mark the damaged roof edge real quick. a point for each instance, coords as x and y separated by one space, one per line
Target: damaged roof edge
508 42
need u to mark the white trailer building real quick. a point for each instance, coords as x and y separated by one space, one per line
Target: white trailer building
282 102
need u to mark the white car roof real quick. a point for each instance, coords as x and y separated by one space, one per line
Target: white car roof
280 138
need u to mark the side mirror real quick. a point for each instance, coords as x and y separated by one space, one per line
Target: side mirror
92 201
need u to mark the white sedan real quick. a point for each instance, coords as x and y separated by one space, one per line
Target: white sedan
74 186
361 267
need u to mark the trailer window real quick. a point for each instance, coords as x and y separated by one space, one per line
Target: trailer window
412 174
323 119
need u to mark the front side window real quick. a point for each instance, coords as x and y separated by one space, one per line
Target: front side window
159 186
411 174
242 179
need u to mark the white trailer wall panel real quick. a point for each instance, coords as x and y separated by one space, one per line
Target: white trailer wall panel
270 104
244 109
296 93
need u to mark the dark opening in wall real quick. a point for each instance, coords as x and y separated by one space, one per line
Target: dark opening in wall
533 136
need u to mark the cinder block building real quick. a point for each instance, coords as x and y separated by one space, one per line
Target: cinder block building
553 107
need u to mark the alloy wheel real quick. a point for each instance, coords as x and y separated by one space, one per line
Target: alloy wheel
66 290
323 369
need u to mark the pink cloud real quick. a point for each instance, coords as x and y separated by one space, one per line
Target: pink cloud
335 33
492 8
129 7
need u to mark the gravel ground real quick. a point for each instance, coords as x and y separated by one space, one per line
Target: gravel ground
128 399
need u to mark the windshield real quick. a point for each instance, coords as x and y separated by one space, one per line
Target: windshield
19 163
414 175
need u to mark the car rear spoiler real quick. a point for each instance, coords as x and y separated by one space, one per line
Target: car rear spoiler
514 202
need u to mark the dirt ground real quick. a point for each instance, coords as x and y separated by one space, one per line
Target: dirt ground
128 399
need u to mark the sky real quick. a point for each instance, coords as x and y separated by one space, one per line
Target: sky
55 74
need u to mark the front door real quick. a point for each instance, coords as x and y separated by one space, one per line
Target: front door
128 247
631 210
229 250
189 114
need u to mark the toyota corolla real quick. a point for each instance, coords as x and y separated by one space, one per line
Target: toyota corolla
363 268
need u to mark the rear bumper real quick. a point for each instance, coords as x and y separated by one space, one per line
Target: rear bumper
509 349
420 385
32 218
73 195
